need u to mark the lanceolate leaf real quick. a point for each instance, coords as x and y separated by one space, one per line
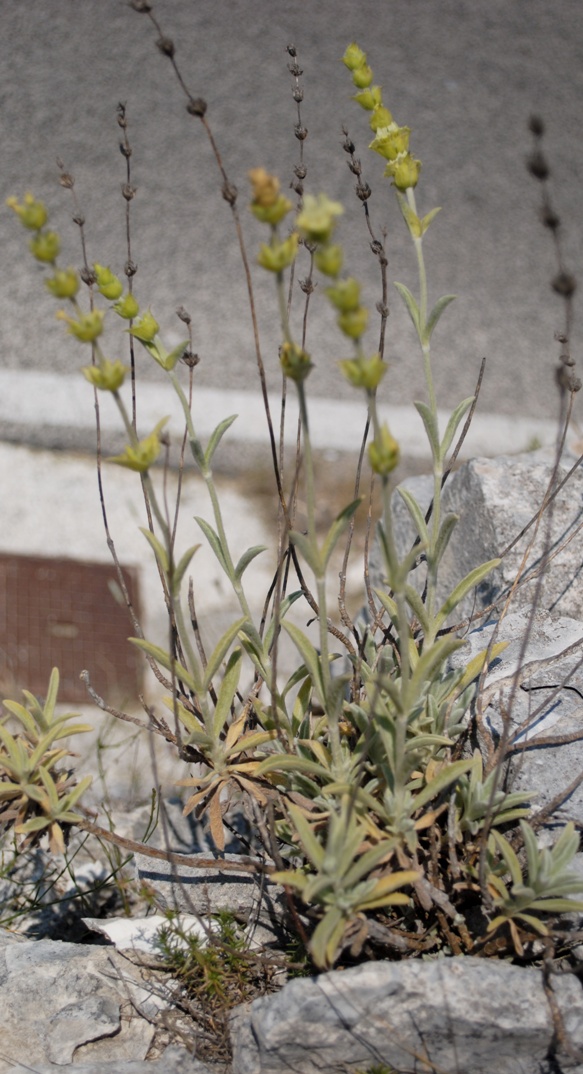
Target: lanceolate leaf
311 554
163 658
213 540
444 779
337 528
216 437
220 651
248 558
453 423
227 691
431 428
441 304
158 548
182 567
462 589
445 531
309 655
411 306
415 512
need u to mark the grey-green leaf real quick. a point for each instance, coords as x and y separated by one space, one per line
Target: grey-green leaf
216 437
453 423
411 306
441 304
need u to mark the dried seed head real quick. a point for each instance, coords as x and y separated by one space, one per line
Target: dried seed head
297 94
306 286
87 276
291 49
66 180
125 150
196 106
128 191
537 165
295 69
549 218
301 171
183 314
229 192
300 132
355 166
166 46
190 359
348 146
363 191
536 126
79 219
130 268
564 284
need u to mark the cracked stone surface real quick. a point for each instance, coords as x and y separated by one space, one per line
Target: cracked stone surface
464 1015
63 1003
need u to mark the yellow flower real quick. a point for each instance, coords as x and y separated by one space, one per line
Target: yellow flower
295 362
32 214
127 307
316 221
108 285
391 141
268 205
345 295
64 284
146 328
353 323
364 373
384 452
141 456
362 76
380 117
369 98
279 255
329 259
87 328
45 246
107 376
404 171
354 57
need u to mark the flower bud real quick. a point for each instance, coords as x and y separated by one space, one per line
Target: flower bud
369 98
127 307
316 221
45 246
108 376
391 141
279 255
32 214
364 373
380 117
353 323
265 187
328 259
109 286
64 283
345 295
354 57
404 171
383 452
141 456
87 328
362 76
272 214
295 362
146 328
